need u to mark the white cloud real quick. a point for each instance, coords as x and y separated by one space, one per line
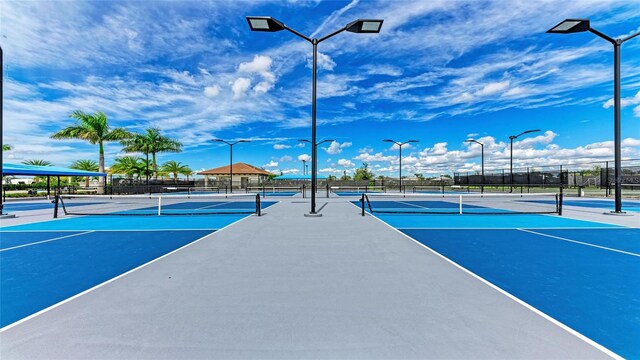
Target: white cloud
367 157
271 164
211 91
281 146
626 102
324 62
263 87
260 65
493 88
301 145
289 171
286 158
345 163
239 87
304 157
336 147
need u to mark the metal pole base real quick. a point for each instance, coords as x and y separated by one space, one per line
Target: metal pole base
7 216
621 213
312 214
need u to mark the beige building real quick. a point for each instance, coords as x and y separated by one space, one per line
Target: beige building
243 175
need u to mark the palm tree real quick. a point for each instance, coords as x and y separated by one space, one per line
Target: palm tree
175 168
37 162
128 165
85 165
151 142
95 129
6 147
187 172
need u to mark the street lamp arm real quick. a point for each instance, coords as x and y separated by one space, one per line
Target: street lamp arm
606 37
629 37
222 141
298 33
332 34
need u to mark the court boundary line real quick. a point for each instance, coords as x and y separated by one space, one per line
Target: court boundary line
80 294
48 240
578 242
114 230
512 228
512 297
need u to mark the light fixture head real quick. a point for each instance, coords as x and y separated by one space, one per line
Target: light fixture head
365 26
264 23
569 26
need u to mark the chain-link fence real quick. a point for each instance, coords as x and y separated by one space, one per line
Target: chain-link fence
591 178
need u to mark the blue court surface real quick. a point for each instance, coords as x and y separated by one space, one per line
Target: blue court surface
44 263
583 274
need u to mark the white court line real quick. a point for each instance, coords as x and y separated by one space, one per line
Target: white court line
46 241
112 279
510 296
114 230
512 228
580 242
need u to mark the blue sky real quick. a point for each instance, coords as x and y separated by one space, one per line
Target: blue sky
439 72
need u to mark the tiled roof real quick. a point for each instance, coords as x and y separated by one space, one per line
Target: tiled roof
238 169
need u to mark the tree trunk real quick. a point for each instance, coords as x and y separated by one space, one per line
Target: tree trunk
86 181
101 169
154 166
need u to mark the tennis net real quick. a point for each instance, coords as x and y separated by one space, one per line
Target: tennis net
275 190
356 190
166 204
190 190
471 203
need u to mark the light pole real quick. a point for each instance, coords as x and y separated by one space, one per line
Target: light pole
304 167
569 26
230 158
400 144
313 149
511 138
482 157
1 132
269 24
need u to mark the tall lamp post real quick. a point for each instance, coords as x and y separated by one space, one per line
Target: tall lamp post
400 144
269 24
569 26
304 167
482 157
314 147
230 158
1 132
511 138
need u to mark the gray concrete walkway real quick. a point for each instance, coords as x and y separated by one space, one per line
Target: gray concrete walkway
283 286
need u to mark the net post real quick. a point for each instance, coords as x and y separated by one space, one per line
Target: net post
55 205
159 205
559 201
258 205
362 203
327 188
460 204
